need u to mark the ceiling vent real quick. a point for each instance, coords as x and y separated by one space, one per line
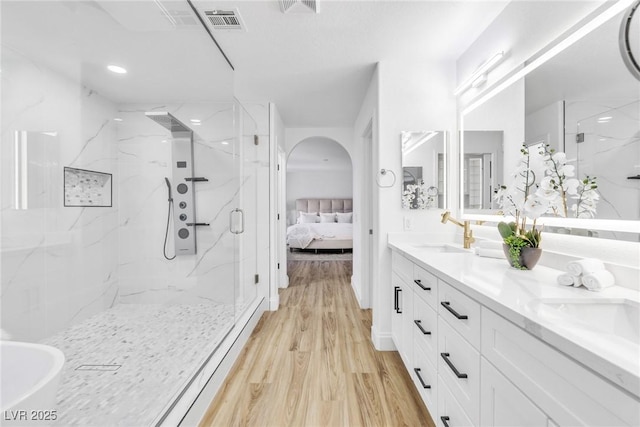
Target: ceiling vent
225 19
299 6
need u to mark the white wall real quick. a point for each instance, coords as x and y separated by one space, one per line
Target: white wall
419 97
342 135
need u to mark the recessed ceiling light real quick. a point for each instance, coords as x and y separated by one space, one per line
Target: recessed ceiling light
195 120
116 69
117 119
225 143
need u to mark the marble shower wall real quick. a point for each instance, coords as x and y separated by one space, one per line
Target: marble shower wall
610 152
59 264
144 156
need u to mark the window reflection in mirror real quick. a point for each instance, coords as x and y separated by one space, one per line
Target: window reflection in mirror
423 169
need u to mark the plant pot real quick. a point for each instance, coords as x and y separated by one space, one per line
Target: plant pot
527 259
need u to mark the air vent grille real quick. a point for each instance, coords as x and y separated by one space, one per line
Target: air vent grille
224 19
299 6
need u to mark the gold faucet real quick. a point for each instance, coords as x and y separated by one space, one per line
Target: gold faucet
467 235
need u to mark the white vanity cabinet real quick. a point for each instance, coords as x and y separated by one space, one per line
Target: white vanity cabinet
473 367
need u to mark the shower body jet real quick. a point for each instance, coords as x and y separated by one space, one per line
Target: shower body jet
184 208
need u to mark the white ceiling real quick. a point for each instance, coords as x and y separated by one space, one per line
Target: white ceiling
317 67
318 153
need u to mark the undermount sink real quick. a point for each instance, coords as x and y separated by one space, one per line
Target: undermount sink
30 376
617 317
439 247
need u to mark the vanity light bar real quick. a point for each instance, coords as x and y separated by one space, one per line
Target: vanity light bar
482 70
587 28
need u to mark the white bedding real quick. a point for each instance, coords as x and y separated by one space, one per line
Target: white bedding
301 235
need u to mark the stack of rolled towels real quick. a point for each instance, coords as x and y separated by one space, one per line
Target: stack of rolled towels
587 272
489 249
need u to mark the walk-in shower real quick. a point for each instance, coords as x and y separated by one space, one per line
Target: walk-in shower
137 332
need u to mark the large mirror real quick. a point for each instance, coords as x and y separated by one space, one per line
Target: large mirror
584 102
423 169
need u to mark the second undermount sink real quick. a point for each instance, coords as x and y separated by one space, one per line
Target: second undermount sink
440 247
616 317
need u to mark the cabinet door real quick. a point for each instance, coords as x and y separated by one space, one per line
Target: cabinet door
502 404
406 302
396 312
450 413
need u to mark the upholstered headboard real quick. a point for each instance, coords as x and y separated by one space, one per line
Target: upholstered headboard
324 205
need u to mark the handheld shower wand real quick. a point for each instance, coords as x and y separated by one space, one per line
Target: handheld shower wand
168 188
166 233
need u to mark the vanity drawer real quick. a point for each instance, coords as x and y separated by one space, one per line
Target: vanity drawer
425 285
425 377
449 410
460 311
402 267
425 319
459 368
566 391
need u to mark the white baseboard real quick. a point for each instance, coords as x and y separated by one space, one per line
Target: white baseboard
190 410
382 341
284 281
274 302
356 291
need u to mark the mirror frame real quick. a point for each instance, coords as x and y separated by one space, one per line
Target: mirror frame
585 26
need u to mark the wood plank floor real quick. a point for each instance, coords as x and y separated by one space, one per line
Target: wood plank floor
311 363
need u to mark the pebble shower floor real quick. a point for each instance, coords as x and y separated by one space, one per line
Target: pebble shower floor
124 366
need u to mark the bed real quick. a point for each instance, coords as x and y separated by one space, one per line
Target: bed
322 235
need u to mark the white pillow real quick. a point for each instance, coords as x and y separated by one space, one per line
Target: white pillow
345 217
328 217
308 218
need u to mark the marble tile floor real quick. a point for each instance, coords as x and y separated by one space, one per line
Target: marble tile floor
143 356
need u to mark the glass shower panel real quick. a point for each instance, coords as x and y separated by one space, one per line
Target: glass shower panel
91 279
248 196
609 151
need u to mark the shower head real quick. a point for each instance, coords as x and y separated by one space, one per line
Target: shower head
167 121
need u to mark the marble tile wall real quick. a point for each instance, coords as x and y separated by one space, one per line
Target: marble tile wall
144 156
59 264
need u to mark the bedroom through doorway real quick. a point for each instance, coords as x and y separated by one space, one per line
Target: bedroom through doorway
319 201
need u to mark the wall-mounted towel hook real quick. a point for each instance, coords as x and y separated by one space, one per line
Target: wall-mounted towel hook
383 173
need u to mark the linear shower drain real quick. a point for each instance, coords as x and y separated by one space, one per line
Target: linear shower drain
98 367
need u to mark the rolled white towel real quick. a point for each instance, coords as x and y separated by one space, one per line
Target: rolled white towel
584 266
567 279
598 280
489 244
490 253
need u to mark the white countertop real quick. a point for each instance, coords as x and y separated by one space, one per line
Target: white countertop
515 294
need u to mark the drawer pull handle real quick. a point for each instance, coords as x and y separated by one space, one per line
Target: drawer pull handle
445 421
396 301
447 305
445 356
423 287
419 325
417 370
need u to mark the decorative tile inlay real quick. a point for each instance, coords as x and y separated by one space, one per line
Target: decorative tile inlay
158 347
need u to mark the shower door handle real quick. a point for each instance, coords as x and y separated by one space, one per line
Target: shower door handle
231 214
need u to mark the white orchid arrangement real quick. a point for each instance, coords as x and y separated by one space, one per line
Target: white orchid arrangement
417 193
543 183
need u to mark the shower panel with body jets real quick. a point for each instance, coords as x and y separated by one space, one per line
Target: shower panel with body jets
183 207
